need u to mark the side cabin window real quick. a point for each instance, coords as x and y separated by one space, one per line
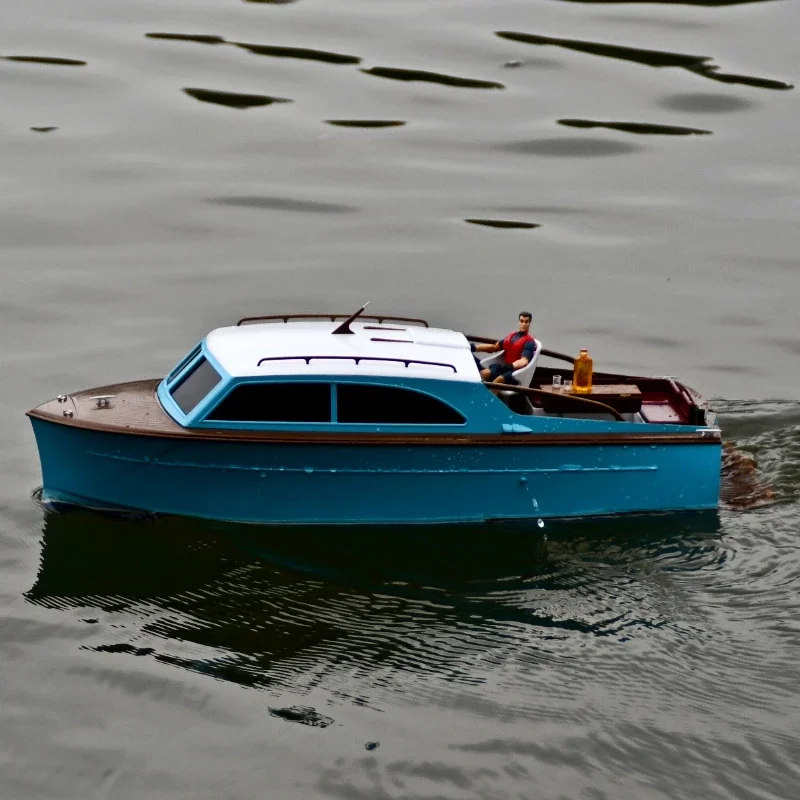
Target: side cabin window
385 405
275 402
195 385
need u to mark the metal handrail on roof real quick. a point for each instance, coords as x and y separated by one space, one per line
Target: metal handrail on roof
357 359
332 317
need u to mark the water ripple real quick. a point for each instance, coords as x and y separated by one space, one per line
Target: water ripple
274 51
705 103
712 3
502 223
699 65
298 52
304 715
643 658
283 204
431 77
567 147
634 127
201 38
48 60
233 99
366 123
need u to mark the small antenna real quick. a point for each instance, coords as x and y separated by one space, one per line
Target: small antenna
345 326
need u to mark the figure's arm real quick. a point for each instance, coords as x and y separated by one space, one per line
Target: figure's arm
486 348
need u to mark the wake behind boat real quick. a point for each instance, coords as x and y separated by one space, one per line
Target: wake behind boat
375 419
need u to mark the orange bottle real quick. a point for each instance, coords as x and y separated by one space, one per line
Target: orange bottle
582 374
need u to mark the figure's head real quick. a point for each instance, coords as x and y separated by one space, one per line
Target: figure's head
525 321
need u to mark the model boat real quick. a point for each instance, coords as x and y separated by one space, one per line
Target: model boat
374 419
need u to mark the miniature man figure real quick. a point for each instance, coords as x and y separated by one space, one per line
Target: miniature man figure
518 349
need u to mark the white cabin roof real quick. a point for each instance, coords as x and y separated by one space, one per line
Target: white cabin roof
298 348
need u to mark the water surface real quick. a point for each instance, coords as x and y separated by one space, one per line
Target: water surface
627 171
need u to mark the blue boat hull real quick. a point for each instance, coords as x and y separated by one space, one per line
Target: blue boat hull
321 483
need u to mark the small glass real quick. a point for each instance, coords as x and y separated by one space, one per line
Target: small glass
567 387
556 383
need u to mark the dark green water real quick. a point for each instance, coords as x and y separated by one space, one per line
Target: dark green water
628 171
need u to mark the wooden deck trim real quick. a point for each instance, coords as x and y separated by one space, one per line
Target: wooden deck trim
162 426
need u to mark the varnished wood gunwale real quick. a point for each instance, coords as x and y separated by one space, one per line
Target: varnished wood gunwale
136 411
585 403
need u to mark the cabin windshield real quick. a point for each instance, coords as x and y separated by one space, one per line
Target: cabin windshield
195 385
184 362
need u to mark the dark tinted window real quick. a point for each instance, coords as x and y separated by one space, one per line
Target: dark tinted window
276 402
387 404
196 384
184 362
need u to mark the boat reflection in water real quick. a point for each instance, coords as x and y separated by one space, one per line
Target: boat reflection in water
294 608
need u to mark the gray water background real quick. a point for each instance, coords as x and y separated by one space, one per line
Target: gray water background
640 659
